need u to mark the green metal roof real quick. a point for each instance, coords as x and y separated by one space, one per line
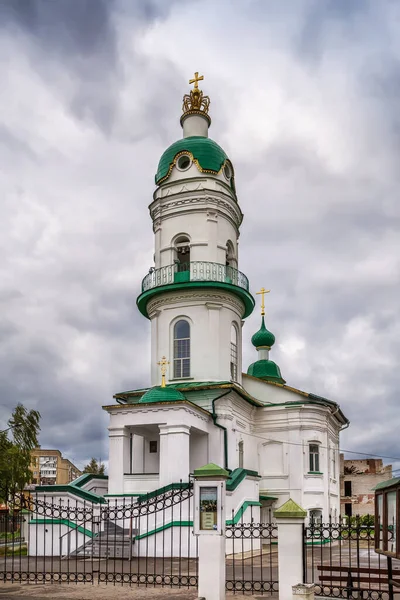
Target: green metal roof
266 370
161 394
290 510
208 154
211 470
385 484
131 397
263 337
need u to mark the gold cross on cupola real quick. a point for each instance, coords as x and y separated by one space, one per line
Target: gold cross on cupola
163 364
262 292
196 80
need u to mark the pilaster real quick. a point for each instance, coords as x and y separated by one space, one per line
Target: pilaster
174 453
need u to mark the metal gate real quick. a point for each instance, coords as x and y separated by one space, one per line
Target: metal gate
340 559
252 556
147 542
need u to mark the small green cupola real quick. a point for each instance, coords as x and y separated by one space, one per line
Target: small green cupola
263 337
263 340
162 394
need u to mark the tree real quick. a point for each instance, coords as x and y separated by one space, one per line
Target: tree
16 444
94 467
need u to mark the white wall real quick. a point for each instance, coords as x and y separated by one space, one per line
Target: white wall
210 314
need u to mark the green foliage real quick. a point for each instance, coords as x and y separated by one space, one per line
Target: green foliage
16 444
94 467
17 550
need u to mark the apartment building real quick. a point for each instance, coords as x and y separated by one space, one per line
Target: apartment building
50 468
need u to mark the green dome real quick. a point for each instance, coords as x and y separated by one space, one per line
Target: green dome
162 394
205 151
267 370
263 337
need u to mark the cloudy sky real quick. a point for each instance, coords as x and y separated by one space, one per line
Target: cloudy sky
305 101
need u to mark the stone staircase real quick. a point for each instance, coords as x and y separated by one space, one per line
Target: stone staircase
112 542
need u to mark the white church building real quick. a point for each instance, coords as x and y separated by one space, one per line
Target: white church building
275 440
203 405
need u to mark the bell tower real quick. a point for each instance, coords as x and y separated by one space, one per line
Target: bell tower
194 294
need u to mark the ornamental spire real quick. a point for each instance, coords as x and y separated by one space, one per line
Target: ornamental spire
197 104
263 340
263 291
163 365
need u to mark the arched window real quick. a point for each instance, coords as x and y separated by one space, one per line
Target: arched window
316 515
181 349
234 353
182 253
314 458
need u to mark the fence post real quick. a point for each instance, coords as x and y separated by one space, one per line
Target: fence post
209 525
290 520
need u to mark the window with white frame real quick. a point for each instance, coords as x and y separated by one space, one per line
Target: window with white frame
234 353
314 458
181 349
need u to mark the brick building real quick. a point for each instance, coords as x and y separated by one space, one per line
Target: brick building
50 468
357 481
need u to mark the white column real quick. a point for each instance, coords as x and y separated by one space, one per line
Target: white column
174 453
214 329
290 519
137 454
212 569
118 462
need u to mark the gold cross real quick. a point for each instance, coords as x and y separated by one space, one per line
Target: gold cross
196 80
163 364
263 291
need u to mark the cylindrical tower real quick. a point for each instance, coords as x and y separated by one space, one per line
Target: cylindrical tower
194 295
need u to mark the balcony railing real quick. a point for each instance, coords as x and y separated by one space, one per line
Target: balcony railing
198 270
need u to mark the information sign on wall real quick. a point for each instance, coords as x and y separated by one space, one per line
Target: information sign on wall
208 508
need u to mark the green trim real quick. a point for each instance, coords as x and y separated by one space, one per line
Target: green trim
314 473
266 498
69 489
162 490
243 294
85 478
241 511
291 510
166 526
211 470
65 522
237 476
163 528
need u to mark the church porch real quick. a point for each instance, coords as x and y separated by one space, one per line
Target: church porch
146 454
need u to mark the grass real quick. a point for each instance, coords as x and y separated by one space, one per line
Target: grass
20 550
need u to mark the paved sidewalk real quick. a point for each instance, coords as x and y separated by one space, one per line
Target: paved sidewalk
9 591
91 592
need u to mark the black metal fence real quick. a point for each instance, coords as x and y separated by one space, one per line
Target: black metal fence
252 556
146 542
340 559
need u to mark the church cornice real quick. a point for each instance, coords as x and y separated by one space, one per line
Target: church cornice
172 299
152 407
167 207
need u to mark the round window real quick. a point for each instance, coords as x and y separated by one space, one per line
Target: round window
184 162
227 171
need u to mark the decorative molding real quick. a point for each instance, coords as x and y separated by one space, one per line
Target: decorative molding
161 206
202 297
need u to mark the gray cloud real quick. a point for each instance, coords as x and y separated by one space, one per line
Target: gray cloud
305 103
